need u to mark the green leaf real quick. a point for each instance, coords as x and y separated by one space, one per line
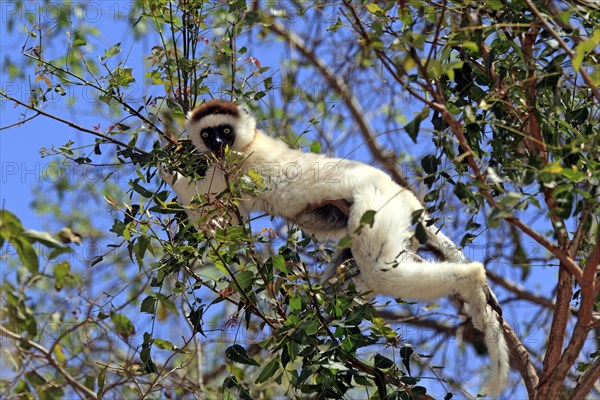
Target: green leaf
23 388
405 353
292 350
310 326
34 378
374 8
27 254
585 47
139 249
368 218
146 358
237 353
467 239
573 175
268 371
279 263
412 128
123 325
141 190
345 242
61 271
495 216
494 5
578 115
419 390
42 237
382 362
101 380
463 192
295 303
9 224
242 392
245 279
379 378
111 51
430 164
338 24
149 305
315 147
471 46
96 260
12 230
168 303
434 69
421 233
164 344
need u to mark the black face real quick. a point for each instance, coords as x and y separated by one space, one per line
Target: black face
217 138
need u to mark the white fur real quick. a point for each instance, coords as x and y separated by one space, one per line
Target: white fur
383 253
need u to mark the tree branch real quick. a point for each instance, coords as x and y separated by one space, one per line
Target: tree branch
74 125
583 325
347 97
78 387
565 47
590 376
522 293
521 359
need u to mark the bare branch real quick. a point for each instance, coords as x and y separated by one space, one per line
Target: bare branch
521 358
587 381
2 128
74 125
523 293
583 325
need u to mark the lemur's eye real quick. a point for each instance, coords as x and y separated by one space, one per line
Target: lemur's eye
227 131
204 134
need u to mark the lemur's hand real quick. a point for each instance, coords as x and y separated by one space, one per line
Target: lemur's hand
166 174
492 300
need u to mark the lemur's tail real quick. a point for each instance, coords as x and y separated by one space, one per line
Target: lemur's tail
485 312
489 322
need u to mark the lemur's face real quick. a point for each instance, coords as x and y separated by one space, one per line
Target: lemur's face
216 125
216 138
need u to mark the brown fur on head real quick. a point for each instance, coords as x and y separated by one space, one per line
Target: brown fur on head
213 107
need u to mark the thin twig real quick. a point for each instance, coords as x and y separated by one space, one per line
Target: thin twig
78 387
20 122
74 125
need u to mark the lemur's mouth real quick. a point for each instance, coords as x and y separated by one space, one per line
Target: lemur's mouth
220 152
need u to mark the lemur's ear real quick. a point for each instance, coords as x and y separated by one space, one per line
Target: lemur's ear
243 107
188 117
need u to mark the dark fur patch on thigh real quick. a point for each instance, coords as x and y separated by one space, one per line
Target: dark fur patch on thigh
330 215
